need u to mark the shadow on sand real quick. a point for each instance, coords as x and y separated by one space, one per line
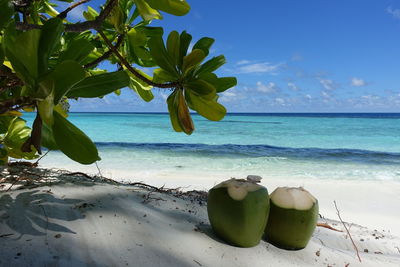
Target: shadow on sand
30 212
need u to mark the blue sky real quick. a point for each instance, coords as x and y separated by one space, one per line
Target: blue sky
291 56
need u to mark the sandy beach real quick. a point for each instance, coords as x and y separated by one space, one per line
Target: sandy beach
66 220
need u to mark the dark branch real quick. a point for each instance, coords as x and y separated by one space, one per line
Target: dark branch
132 70
9 79
106 11
106 54
77 27
22 6
347 230
15 104
63 14
35 139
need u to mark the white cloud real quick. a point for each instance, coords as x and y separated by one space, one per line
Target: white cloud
357 82
228 96
293 86
243 62
327 84
308 97
394 12
325 94
235 95
280 101
371 100
263 67
370 97
267 88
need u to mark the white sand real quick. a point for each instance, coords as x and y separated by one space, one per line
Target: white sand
92 224
375 204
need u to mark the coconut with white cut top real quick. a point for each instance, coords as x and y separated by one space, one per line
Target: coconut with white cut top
292 219
238 211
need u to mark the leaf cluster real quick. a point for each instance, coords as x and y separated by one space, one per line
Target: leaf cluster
47 61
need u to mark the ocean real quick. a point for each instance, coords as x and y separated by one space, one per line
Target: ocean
350 146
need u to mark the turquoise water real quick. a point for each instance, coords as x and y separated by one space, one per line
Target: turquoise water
322 146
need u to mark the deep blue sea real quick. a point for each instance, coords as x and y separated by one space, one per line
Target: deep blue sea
311 145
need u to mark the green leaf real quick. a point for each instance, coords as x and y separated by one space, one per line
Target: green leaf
137 37
141 56
204 44
65 76
90 14
77 50
3 155
116 18
185 39
212 64
99 85
209 109
224 83
202 88
73 142
174 7
1 54
136 42
221 84
45 109
173 111
192 60
141 87
143 91
49 9
45 88
48 138
162 76
184 118
152 31
5 122
160 55
16 135
22 51
146 11
49 38
173 46
6 11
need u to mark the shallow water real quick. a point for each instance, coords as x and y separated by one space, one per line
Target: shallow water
322 146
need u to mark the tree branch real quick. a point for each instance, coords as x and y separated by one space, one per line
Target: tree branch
131 69
325 225
15 104
347 230
77 27
106 54
63 14
10 79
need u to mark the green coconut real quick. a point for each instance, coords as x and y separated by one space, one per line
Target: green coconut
292 218
238 211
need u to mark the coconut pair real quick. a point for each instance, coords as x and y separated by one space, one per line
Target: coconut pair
241 212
